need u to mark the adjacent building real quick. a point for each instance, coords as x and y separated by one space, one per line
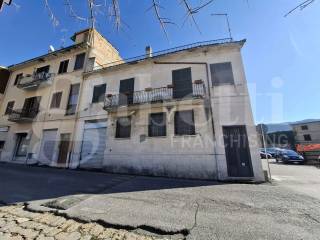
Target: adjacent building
183 112
307 132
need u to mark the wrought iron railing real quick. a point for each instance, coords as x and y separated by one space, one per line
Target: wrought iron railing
151 96
20 115
34 79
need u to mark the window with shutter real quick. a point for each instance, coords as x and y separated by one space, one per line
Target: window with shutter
221 73
184 123
99 92
123 128
182 83
73 99
79 61
56 99
157 125
9 107
63 68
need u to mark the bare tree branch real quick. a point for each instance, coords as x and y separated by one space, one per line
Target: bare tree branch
300 7
72 13
54 20
162 20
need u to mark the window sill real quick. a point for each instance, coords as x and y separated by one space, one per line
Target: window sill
185 135
127 138
157 136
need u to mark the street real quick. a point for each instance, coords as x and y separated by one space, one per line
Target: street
163 208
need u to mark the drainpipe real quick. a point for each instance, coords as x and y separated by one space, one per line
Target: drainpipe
210 103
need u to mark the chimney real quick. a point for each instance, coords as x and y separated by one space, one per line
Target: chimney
148 51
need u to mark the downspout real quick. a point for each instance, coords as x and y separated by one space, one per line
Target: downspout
210 103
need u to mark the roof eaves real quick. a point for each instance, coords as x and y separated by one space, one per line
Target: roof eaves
46 55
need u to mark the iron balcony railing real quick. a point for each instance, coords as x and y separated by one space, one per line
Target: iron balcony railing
34 80
152 96
23 115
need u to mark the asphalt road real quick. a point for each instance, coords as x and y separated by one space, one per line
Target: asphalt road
285 209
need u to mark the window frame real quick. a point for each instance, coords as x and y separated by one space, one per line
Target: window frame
97 99
76 63
213 69
177 119
156 130
63 66
118 130
304 127
18 77
55 104
9 111
69 106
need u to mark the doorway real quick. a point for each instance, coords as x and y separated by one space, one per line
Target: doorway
64 149
237 151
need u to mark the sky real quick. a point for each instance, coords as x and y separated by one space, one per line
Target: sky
281 56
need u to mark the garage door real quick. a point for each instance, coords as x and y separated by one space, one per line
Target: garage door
48 145
93 144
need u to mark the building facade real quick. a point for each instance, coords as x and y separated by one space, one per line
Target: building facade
307 132
181 113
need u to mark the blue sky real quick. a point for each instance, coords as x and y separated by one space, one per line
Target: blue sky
281 56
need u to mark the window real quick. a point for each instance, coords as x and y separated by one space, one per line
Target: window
79 61
184 123
221 73
307 137
182 83
56 99
73 99
9 107
22 145
99 92
123 129
44 69
304 127
157 125
63 68
2 145
18 77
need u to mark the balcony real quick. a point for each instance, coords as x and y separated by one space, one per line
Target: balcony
152 95
23 115
36 80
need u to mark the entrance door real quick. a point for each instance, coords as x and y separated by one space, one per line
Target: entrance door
237 151
64 149
48 144
94 144
182 83
126 91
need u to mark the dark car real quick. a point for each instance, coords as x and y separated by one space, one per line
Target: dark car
264 154
289 156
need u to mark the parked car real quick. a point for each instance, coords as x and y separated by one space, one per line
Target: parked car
289 156
273 151
264 154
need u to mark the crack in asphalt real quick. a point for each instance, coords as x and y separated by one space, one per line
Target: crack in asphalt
195 216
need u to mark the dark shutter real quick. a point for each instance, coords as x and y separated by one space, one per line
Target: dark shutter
221 73
79 61
9 107
18 77
31 107
157 125
99 92
123 128
126 91
73 99
304 127
184 123
182 83
56 99
63 68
